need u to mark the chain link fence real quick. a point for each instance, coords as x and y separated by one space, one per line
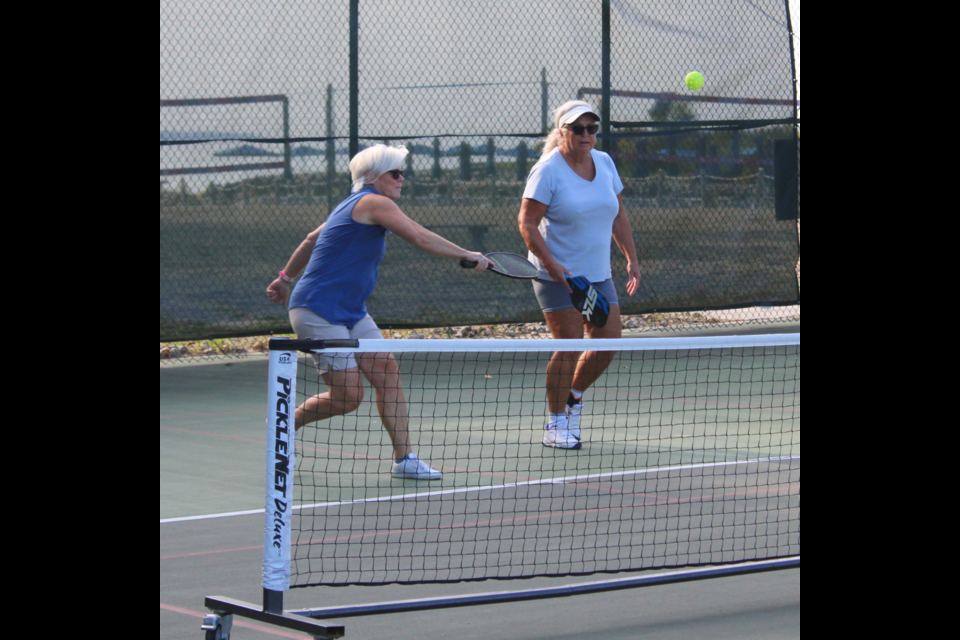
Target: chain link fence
263 104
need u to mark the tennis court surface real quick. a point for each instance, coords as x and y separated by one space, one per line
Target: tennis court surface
689 458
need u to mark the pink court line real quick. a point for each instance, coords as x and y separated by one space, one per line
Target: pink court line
264 443
488 393
500 392
545 481
657 501
211 553
330 452
724 405
550 515
207 415
615 492
542 481
213 435
236 623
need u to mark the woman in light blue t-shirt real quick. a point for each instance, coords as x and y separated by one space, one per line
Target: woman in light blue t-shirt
571 208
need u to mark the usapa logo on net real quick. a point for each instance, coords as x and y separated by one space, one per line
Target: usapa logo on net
286 358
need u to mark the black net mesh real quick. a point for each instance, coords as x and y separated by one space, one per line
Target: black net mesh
679 458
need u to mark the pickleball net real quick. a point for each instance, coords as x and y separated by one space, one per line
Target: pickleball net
690 457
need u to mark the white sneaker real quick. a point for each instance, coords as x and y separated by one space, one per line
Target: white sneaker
573 419
413 468
557 435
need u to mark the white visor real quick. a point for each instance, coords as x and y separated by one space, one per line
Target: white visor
576 112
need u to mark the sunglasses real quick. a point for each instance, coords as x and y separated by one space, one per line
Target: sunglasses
396 174
579 129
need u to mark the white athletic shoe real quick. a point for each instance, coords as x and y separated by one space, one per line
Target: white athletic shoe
573 419
557 435
413 468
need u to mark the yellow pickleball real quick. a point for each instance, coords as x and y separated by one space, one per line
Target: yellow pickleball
694 80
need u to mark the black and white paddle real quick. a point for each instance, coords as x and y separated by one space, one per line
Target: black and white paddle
509 265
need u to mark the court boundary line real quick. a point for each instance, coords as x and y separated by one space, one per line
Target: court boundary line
236 623
341 538
429 494
531 483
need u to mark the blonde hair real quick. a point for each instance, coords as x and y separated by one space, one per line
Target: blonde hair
552 141
370 164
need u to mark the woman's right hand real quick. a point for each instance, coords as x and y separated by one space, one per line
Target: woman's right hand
559 273
482 261
279 291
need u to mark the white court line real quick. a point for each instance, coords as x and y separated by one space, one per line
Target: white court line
568 480
530 483
213 516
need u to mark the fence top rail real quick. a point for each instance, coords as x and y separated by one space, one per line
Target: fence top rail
589 91
196 102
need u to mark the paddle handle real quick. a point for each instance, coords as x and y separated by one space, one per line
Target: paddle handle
466 264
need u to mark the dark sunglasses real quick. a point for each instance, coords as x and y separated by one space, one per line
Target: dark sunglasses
579 129
396 174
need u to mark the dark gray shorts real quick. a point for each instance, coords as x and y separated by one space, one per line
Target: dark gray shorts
553 296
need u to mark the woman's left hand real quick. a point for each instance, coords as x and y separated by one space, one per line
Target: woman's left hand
279 292
634 283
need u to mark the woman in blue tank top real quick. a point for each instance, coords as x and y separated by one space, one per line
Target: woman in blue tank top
339 263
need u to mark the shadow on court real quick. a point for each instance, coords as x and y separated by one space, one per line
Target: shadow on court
212 458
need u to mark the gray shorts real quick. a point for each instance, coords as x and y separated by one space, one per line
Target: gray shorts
310 326
553 296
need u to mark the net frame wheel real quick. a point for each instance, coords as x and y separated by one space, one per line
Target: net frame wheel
217 627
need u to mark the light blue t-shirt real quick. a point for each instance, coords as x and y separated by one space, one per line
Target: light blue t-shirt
578 227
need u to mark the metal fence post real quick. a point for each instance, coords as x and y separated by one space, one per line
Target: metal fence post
522 151
288 170
437 171
331 150
605 106
354 77
491 158
466 157
545 101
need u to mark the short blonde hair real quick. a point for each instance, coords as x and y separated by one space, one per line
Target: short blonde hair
370 164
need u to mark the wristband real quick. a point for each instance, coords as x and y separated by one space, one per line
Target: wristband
285 277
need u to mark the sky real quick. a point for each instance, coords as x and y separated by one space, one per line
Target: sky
431 67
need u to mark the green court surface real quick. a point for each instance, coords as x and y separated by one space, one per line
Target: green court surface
212 440
212 456
212 426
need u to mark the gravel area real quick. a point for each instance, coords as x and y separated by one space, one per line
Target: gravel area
232 347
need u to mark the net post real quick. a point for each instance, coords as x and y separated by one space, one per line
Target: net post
281 462
272 601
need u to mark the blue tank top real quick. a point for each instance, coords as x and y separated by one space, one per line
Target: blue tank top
343 267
